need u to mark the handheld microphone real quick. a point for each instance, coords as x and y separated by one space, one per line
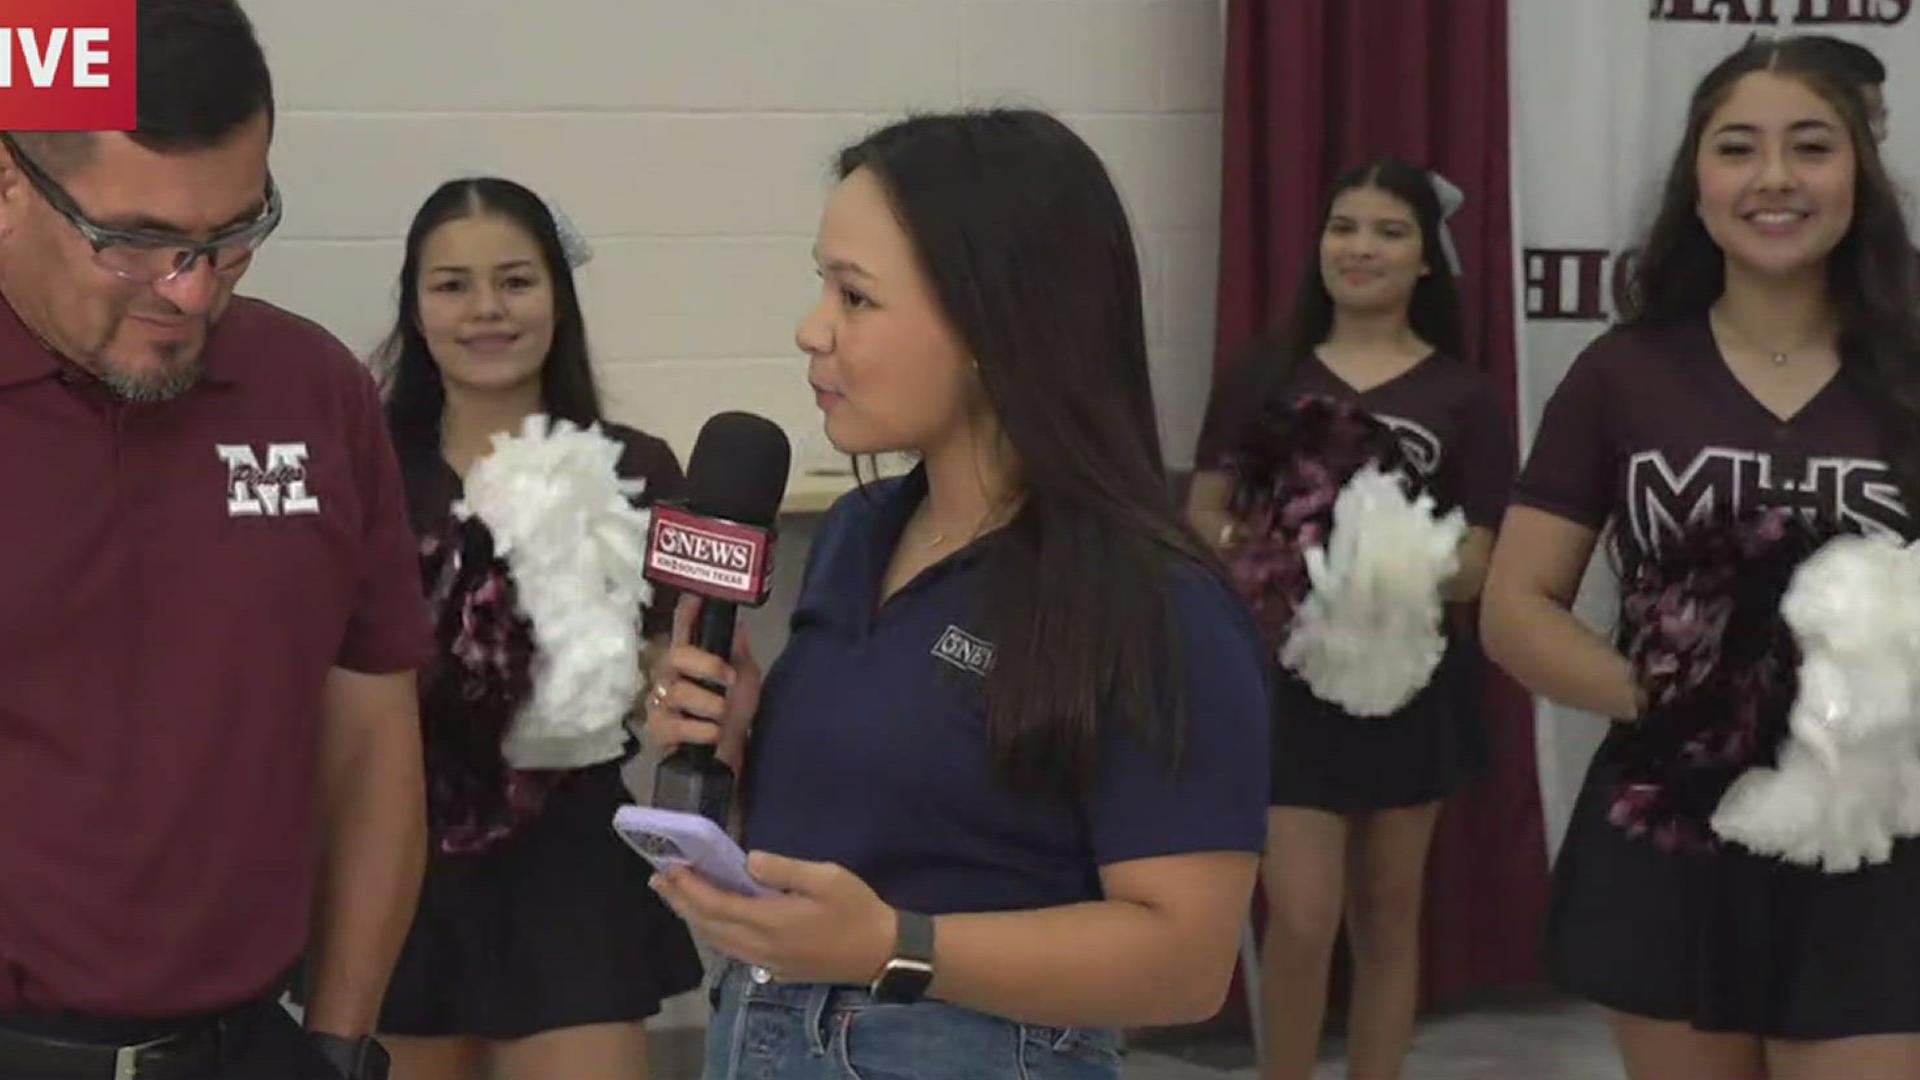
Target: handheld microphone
718 545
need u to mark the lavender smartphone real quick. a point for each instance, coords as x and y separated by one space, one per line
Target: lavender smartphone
668 838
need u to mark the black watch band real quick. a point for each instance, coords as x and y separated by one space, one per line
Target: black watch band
907 975
361 1058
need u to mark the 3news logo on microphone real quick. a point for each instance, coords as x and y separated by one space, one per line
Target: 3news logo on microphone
722 560
67 65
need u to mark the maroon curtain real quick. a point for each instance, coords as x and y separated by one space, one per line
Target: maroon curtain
1313 87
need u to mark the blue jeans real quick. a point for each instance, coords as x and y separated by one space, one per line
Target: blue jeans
810 1031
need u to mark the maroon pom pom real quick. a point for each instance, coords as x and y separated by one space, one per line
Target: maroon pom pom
1701 625
1288 472
481 676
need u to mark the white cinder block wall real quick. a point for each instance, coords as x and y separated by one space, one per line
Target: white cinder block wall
690 140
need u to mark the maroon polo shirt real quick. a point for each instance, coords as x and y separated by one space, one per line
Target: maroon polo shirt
176 581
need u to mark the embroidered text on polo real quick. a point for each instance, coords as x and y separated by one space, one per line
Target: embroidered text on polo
277 490
964 651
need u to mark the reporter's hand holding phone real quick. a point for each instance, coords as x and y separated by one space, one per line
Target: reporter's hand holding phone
680 710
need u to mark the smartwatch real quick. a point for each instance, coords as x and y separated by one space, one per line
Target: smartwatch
905 978
361 1058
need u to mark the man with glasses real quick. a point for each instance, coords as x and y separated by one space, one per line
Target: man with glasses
209 609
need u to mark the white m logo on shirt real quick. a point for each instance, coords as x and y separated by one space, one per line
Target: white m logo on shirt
277 490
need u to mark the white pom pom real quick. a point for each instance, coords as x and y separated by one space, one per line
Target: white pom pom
560 517
1845 788
1807 813
1368 636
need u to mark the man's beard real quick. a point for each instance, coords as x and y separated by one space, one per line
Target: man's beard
165 385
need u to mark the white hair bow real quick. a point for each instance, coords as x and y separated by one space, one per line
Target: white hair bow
573 244
1451 200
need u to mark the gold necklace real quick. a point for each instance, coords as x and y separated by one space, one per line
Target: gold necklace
926 517
940 537
1777 357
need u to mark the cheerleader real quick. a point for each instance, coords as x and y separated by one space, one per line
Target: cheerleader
1764 361
1376 327
537 949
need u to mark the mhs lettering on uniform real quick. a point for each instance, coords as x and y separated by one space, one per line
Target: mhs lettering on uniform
707 549
1663 501
964 651
278 489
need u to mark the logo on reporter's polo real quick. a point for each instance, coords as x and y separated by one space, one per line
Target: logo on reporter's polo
279 489
964 651
67 65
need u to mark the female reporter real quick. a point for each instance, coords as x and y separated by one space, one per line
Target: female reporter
1018 735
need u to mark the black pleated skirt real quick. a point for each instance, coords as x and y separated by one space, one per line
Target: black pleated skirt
554 928
1328 759
1732 941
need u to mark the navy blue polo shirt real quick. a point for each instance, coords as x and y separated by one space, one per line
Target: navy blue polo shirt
870 747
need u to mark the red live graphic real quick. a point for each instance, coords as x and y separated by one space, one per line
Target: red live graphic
67 65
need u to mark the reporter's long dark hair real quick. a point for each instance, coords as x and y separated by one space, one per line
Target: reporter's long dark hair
415 395
1433 311
1871 273
1028 249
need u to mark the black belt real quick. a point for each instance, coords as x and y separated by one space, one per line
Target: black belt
199 1049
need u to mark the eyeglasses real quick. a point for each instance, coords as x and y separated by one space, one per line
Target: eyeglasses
148 257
